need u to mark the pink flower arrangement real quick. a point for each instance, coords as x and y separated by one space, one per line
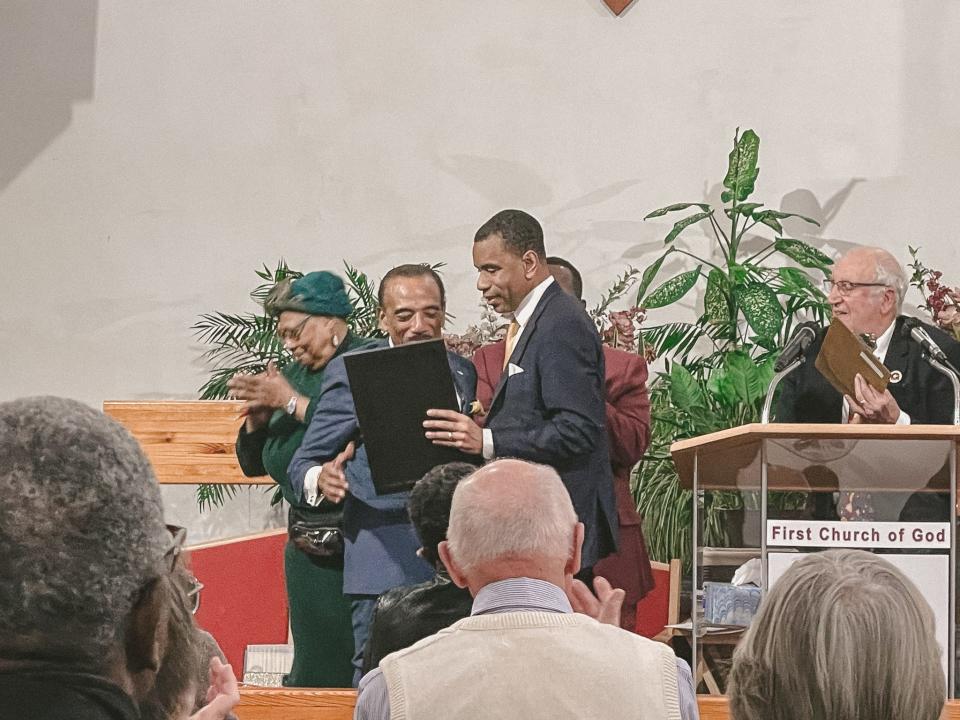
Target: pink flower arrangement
941 301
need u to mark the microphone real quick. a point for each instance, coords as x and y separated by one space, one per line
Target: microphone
913 328
804 335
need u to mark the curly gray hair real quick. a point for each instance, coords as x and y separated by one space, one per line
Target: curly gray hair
81 528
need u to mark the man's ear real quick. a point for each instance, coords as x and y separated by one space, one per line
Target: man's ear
531 263
573 562
381 317
459 579
145 642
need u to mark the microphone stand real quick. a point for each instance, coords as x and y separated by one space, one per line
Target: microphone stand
768 402
950 372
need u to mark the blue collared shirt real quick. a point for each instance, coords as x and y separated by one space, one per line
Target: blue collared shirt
511 595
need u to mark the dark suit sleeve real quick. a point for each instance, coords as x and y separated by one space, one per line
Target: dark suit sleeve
940 389
628 412
786 407
250 451
571 424
332 426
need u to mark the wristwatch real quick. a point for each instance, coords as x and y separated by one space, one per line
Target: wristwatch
291 407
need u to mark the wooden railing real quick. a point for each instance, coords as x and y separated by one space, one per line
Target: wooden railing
187 442
295 704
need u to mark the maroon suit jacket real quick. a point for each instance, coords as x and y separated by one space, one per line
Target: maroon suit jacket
628 430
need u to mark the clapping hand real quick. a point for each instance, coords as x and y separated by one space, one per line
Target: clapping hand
263 393
223 695
604 607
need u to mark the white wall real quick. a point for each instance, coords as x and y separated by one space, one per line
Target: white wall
154 154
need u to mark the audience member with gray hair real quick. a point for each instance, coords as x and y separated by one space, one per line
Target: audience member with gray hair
514 541
85 559
843 635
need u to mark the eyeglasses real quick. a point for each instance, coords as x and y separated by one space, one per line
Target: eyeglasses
845 287
193 594
294 334
178 536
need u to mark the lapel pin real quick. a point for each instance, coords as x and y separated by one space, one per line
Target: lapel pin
896 376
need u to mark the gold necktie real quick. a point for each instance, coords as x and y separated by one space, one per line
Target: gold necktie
511 339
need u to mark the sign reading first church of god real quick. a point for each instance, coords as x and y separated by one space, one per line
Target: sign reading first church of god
866 535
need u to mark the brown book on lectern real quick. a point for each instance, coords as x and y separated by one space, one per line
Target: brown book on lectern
843 355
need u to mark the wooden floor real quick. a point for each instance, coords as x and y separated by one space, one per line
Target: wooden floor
290 704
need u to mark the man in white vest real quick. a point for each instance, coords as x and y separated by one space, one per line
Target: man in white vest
514 541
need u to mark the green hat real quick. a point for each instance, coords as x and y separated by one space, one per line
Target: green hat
316 293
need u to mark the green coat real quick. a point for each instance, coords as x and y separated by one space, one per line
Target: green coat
319 613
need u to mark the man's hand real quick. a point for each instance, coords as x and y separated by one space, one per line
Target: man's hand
223 694
604 607
332 481
263 394
453 429
872 406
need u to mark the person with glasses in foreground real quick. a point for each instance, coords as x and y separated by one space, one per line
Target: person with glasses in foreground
842 635
311 314
91 614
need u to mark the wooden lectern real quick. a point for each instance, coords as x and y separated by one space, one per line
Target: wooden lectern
898 482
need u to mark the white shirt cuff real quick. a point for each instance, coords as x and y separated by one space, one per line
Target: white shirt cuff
904 419
311 487
488 444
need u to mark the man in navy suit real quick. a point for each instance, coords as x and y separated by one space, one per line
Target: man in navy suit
380 550
549 405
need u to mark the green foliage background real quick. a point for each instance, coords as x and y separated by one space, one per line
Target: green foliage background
718 367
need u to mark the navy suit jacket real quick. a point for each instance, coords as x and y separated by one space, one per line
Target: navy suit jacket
380 544
554 412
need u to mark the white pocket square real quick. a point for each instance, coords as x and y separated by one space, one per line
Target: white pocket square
513 370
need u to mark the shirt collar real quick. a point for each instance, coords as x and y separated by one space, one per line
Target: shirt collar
519 594
883 342
529 303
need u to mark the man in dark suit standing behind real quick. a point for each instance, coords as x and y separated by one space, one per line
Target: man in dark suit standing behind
548 406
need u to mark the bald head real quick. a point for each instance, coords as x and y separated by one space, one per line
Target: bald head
886 268
868 289
509 518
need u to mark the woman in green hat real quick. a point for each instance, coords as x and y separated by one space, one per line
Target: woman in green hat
311 314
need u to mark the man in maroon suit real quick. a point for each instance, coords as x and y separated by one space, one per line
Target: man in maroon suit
628 428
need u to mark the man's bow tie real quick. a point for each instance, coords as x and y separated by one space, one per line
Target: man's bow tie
870 339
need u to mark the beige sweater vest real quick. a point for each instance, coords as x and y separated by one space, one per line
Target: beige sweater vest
526 665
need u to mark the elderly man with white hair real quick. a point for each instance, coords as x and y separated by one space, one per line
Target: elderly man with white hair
866 291
514 541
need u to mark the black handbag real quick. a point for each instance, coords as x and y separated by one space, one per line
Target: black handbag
317 533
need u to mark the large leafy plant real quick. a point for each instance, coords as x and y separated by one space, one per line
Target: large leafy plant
247 342
756 288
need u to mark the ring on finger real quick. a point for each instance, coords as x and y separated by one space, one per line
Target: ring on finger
449 435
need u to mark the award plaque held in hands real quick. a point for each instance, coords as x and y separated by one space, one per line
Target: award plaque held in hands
392 390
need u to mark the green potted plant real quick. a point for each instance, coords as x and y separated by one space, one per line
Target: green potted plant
756 288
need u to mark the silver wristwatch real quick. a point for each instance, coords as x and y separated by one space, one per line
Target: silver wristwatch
291 407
